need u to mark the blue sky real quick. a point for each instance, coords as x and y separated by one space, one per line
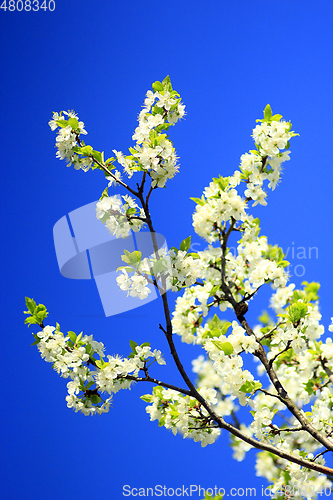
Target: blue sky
227 60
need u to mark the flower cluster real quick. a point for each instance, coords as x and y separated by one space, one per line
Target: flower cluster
271 136
74 356
120 217
184 270
163 105
265 163
112 374
208 377
183 414
154 152
135 285
255 264
290 480
173 269
261 425
67 139
222 203
224 352
289 389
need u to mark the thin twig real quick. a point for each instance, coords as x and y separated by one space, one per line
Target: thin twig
147 378
288 346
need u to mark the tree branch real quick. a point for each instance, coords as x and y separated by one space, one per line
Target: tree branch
147 378
261 354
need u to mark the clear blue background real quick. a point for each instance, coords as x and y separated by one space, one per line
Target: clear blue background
227 60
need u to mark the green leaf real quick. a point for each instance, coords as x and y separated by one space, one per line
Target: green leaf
310 290
285 358
40 317
297 311
158 86
133 346
72 336
213 290
128 269
215 321
267 113
38 339
62 123
130 211
31 304
127 257
215 332
222 182
137 255
147 398
199 201
208 496
185 244
95 399
40 313
250 386
157 390
163 126
110 160
218 326
226 347
105 194
156 110
309 387
85 150
258 385
73 122
159 266
225 326
276 118
31 321
132 258
167 83
100 363
98 156
265 318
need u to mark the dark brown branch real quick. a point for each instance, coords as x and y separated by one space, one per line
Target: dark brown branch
240 311
326 368
103 167
272 395
261 354
319 455
147 378
271 361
